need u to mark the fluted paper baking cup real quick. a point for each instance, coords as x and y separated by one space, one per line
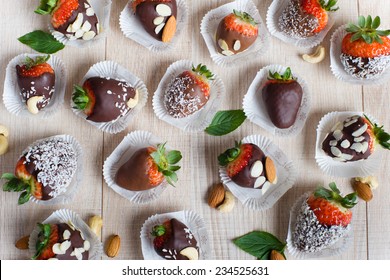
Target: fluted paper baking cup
133 29
255 108
275 11
209 26
12 98
335 249
260 199
102 10
115 71
199 120
338 69
350 169
66 216
130 144
191 219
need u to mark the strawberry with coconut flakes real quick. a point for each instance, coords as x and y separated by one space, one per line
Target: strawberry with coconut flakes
188 92
36 80
365 50
324 217
236 33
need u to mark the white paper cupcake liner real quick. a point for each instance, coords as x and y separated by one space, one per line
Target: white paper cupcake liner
335 249
191 219
338 69
209 26
74 185
274 12
259 199
133 29
12 98
256 111
64 216
115 71
197 121
102 10
335 168
130 144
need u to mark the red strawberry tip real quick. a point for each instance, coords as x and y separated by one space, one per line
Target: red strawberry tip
46 7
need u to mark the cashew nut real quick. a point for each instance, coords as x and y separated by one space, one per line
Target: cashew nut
190 252
315 57
3 144
228 203
32 103
96 223
133 101
4 130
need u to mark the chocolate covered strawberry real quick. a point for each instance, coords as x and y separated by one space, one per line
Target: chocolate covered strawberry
76 19
354 139
323 218
306 18
188 92
147 168
158 17
248 166
282 96
62 242
173 240
105 99
36 80
365 50
236 32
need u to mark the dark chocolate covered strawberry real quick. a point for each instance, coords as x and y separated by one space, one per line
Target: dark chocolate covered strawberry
158 17
36 80
188 92
44 171
365 51
147 168
61 241
282 96
76 19
173 240
306 18
236 32
105 99
248 166
354 139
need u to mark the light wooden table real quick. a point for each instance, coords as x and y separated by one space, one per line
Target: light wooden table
200 151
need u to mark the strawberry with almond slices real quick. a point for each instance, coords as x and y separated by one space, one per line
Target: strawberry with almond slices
188 92
173 240
323 219
36 80
306 18
147 168
248 166
236 33
365 50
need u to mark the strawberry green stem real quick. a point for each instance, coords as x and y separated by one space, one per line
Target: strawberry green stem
80 98
158 230
46 7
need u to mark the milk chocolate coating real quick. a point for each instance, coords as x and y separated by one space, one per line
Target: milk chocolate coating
364 67
184 97
244 178
111 97
146 12
282 101
133 175
180 239
36 86
231 36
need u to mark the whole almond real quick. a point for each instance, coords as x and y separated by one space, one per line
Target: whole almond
363 190
22 243
270 170
217 195
113 246
169 29
275 255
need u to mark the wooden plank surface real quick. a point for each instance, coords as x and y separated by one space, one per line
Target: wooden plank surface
199 165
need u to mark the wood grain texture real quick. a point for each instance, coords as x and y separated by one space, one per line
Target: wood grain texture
199 165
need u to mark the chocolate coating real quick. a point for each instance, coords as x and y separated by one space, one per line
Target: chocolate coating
282 101
111 97
364 67
146 12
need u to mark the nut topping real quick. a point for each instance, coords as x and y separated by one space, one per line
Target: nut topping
169 30
32 103
163 10
190 252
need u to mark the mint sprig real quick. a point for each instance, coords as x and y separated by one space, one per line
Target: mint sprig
225 122
42 42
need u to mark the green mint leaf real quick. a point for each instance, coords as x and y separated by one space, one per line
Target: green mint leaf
225 122
174 157
8 176
259 244
42 42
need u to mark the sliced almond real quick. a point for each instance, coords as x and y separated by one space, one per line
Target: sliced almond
227 52
259 182
256 169
190 252
22 243
87 245
163 10
169 29
223 45
90 12
237 45
270 170
113 246
66 234
76 25
57 249
159 28
158 20
65 245
86 26
79 33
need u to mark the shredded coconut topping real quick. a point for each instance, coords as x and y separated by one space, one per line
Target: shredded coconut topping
365 68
